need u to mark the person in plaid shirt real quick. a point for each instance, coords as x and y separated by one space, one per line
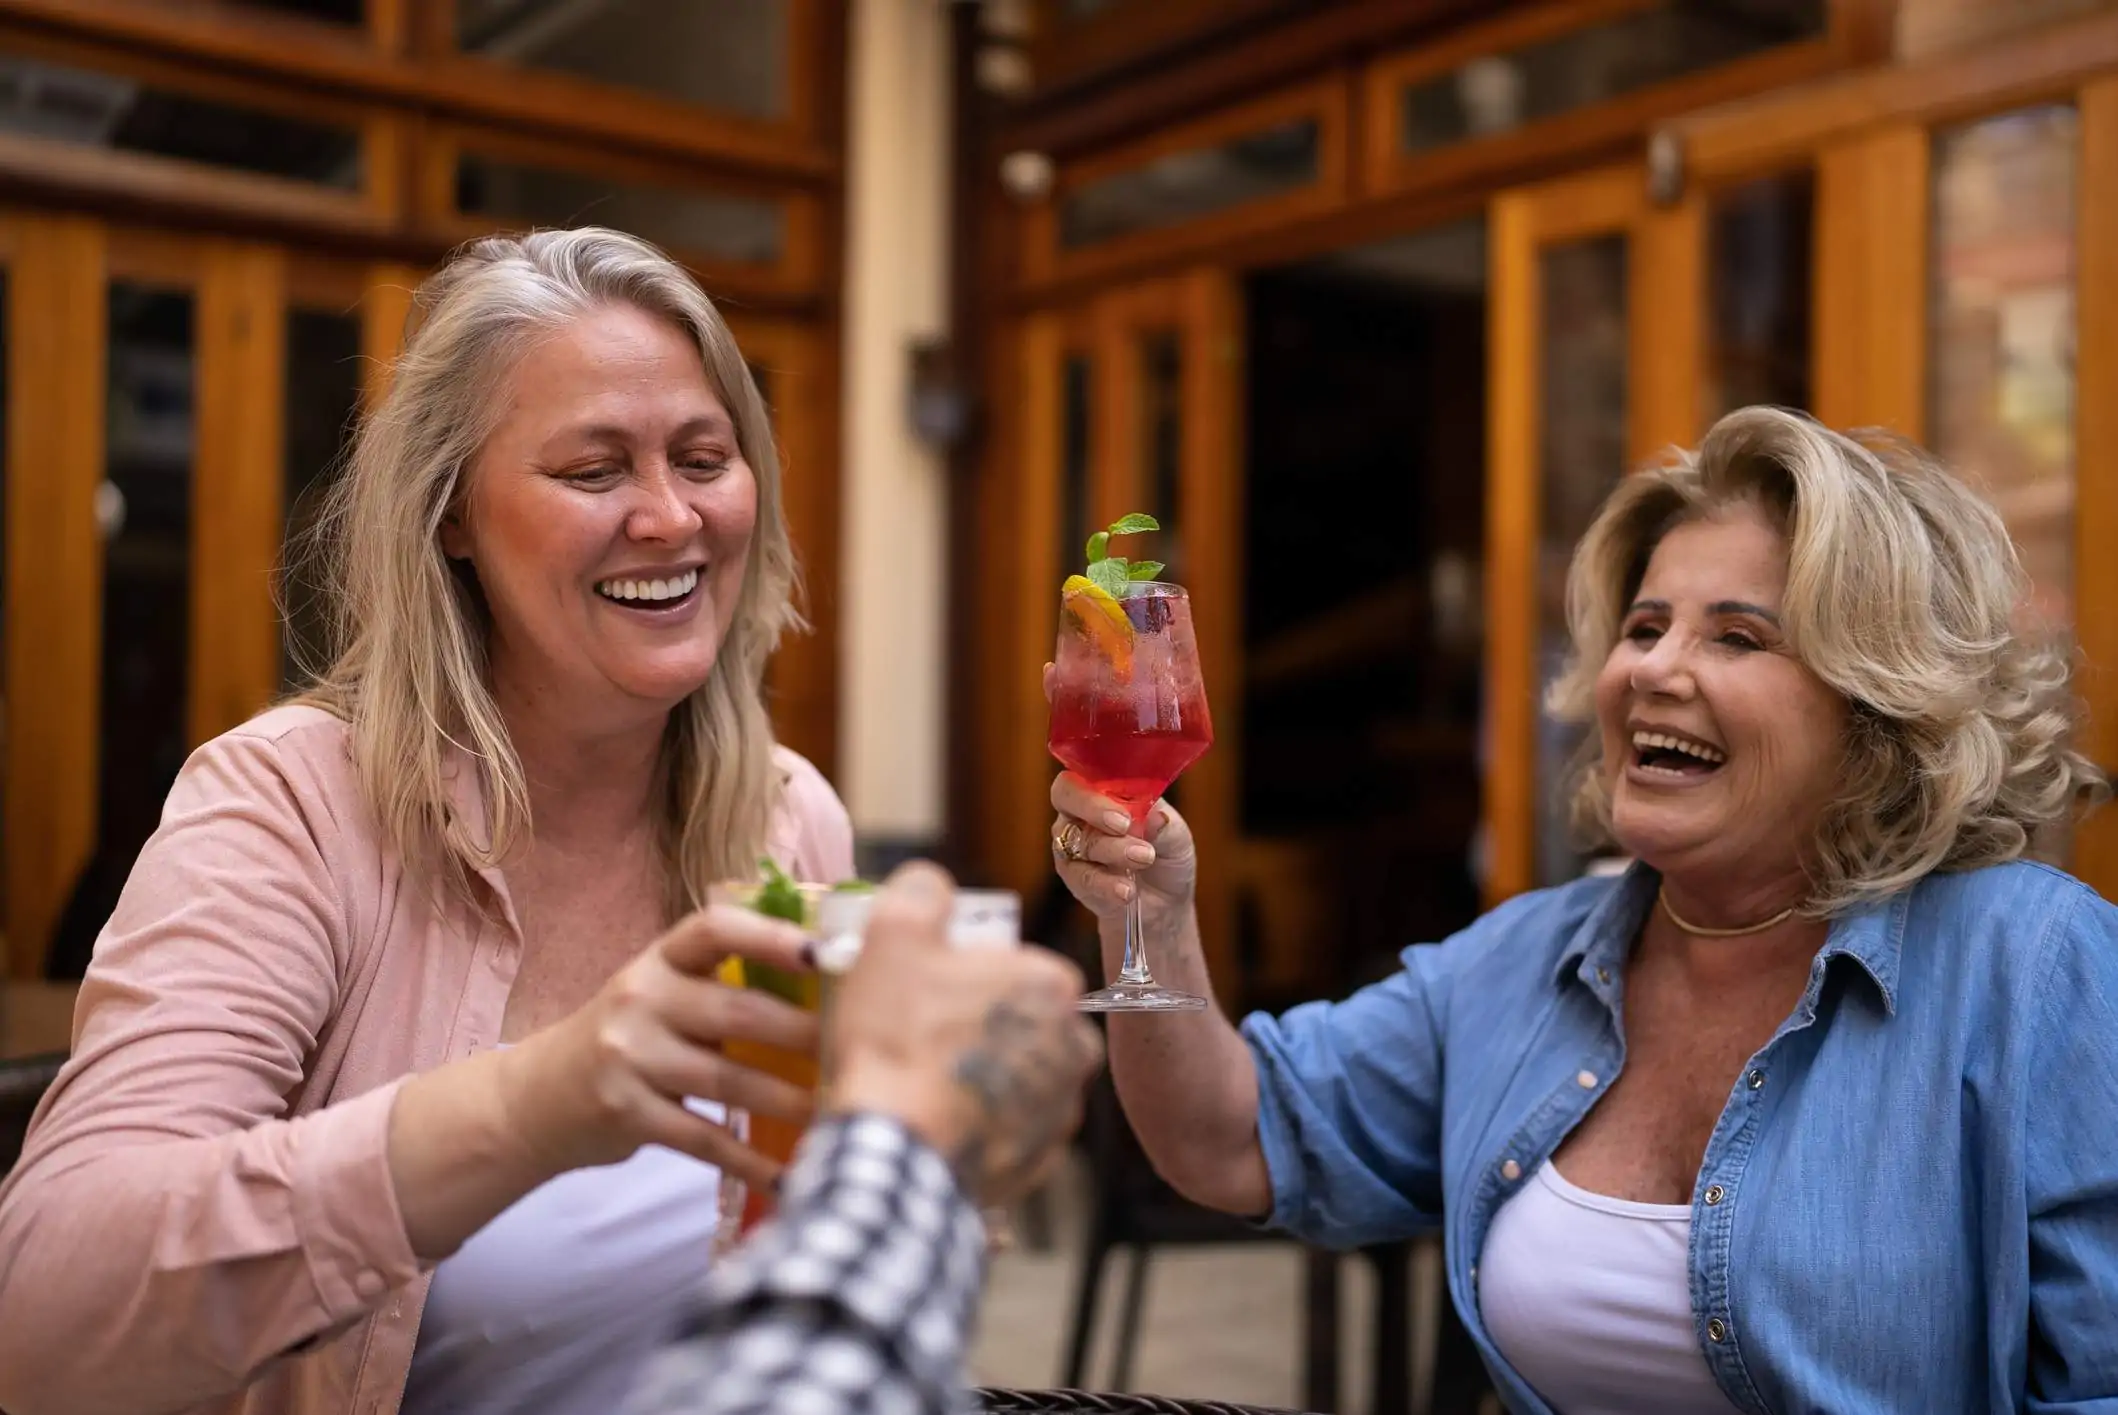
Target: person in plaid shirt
959 1079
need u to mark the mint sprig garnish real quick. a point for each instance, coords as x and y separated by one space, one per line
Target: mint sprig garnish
780 897
1113 574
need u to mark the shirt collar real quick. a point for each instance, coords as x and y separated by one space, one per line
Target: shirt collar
1872 936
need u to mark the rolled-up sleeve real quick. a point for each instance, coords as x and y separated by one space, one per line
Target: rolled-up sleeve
169 1231
1350 1101
2071 1166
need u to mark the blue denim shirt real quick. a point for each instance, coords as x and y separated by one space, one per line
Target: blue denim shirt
1910 1201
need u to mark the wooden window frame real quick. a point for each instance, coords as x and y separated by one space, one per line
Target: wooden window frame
1564 140
1665 330
1064 52
145 178
398 62
1326 102
799 272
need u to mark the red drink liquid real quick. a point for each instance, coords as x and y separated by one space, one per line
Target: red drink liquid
1125 753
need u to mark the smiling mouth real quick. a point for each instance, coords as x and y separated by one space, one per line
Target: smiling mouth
650 594
1664 754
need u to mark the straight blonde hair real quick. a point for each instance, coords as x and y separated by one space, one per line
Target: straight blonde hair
1903 591
405 663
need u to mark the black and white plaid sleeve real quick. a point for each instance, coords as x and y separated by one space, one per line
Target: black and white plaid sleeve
857 1299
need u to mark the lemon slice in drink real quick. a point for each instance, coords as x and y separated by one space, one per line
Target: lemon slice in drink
1097 614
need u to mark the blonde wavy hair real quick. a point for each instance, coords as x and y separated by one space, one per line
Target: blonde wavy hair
406 640
1902 591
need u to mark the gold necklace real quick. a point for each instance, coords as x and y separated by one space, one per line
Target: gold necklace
1662 894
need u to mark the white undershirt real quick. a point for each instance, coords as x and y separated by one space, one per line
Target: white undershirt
1589 1298
554 1306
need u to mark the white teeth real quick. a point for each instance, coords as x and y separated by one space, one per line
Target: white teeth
650 590
1662 741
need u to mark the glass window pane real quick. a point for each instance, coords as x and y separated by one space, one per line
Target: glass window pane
93 109
342 12
1186 185
2001 398
730 54
1073 463
746 230
1496 93
1582 455
323 393
1162 447
1758 291
142 734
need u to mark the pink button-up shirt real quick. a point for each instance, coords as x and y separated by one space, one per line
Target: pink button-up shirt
203 1217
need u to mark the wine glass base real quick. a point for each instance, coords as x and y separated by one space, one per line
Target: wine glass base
1141 997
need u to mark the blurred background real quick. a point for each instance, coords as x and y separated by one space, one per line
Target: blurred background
1371 302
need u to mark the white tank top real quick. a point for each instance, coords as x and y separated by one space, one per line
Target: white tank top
1589 1298
554 1306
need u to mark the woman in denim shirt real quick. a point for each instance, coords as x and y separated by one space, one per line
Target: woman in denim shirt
1813 1109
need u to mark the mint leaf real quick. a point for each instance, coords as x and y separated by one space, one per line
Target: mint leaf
854 886
1143 569
1134 524
1098 545
779 898
1109 576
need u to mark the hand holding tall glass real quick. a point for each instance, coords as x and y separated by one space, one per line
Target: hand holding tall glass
1128 716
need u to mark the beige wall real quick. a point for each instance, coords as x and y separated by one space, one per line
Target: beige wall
896 283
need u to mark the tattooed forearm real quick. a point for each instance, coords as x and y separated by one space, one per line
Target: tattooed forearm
1024 1076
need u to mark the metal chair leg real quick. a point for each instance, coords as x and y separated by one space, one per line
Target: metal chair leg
1121 1375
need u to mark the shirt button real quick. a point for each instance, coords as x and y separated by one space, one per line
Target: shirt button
368 1285
1603 975
1757 1079
1586 1080
1716 1331
1510 1171
1714 1195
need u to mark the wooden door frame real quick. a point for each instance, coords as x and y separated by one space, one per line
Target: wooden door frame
1665 293
802 682
61 270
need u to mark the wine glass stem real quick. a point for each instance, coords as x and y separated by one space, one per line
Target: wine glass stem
1134 972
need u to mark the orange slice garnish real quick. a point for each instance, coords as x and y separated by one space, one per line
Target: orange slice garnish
1096 614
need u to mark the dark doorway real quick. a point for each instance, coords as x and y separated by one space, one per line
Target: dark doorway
1364 641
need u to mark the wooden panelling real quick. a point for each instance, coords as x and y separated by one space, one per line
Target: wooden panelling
237 512
803 682
2096 460
1762 135
1210 491
1514 400
1871 281
56 327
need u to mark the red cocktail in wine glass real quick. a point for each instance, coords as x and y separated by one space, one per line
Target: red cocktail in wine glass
1128 716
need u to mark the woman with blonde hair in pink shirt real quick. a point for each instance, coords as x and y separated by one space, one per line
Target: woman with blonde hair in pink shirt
395 1070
